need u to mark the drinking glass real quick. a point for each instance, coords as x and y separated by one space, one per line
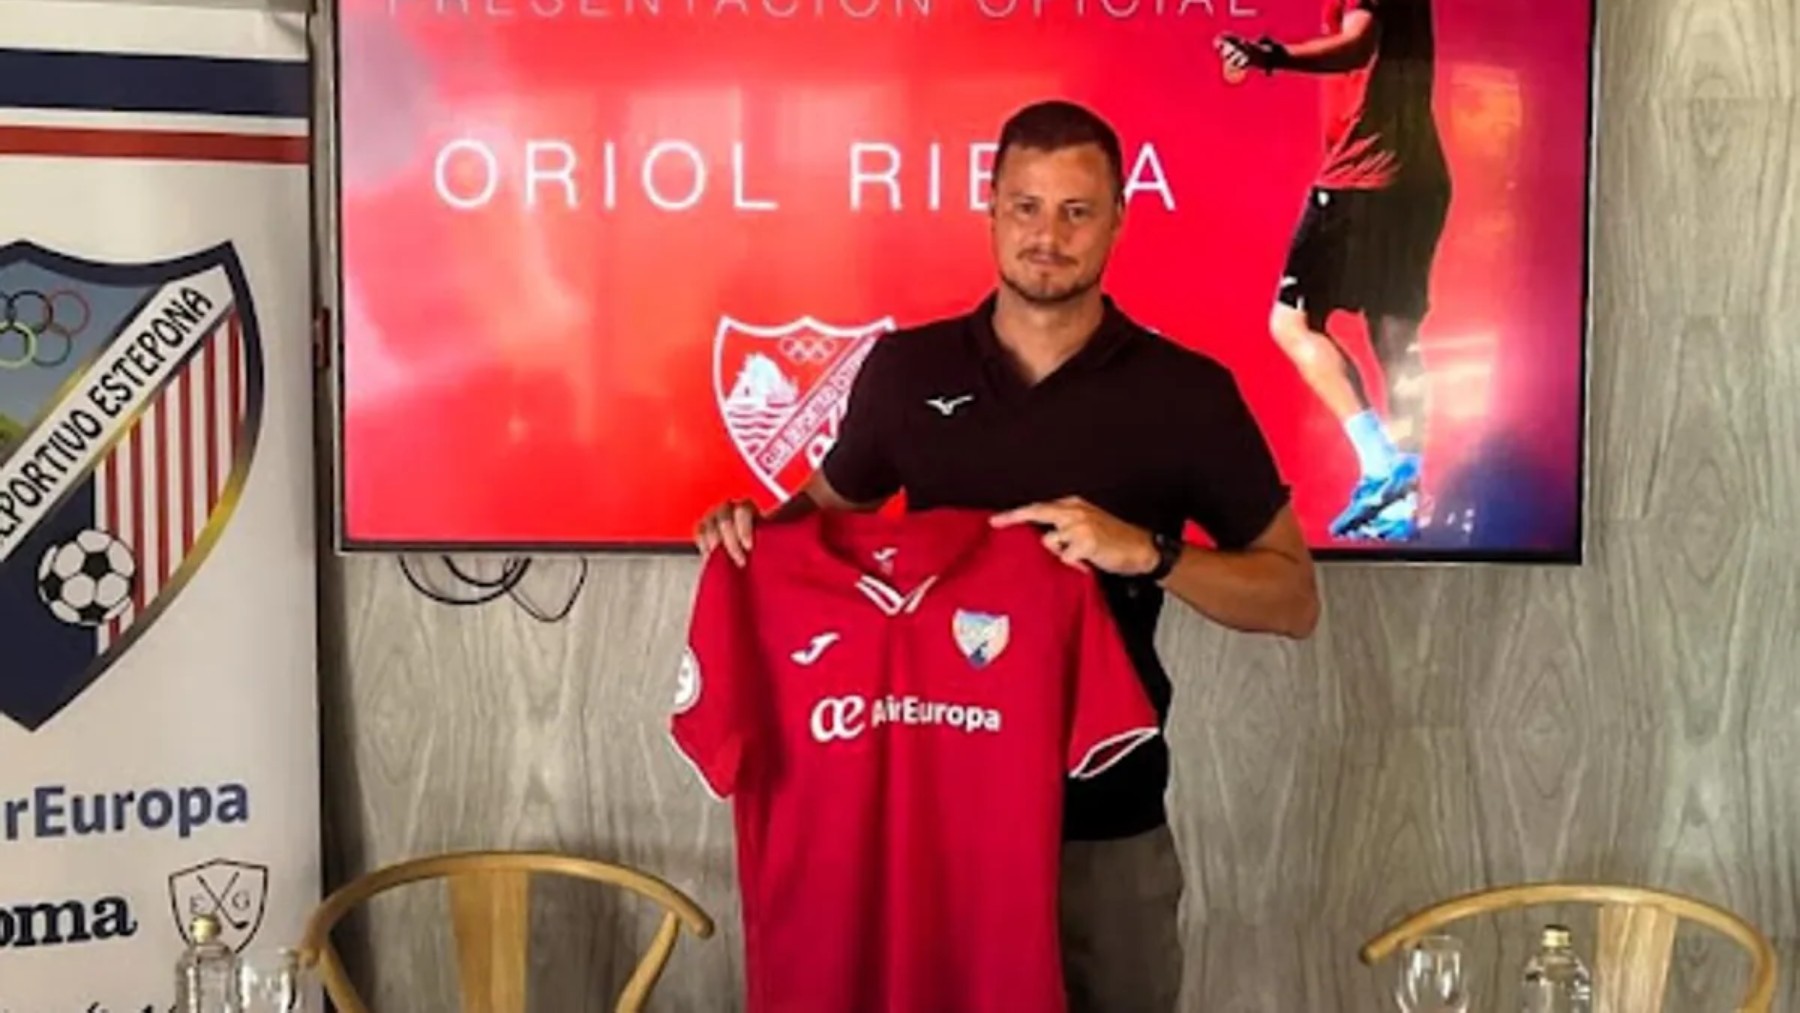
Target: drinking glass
271 982
1431 977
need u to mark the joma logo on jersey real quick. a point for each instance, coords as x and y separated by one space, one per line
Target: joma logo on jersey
130 400
836 718
65 922
782 390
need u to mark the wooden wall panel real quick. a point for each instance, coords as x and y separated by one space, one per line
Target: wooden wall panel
1637 719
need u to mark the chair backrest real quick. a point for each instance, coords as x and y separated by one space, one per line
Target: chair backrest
1636 937
490 911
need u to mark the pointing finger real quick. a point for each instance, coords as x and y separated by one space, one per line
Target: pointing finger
728 539
1041 513
743 520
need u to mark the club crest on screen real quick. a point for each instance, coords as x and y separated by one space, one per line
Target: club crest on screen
781 391
130 400
233 893
980 636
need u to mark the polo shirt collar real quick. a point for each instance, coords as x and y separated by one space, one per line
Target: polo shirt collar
1115 327
891 560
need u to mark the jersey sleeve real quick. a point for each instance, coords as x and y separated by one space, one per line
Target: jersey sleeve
1110 712
714 718
860 465
1235 488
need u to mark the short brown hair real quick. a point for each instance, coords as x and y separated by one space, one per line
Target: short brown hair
1055 124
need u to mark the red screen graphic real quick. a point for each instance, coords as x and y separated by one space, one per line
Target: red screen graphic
567 225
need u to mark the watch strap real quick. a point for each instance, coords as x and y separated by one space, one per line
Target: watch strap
1168 553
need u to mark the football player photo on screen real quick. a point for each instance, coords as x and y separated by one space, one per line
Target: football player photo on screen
1366 239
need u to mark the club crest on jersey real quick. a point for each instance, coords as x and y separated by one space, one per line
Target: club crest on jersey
980 636
781 391
130 401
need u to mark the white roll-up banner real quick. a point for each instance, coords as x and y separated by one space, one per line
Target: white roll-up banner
158 709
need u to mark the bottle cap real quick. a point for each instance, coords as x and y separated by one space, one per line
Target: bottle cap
1556 936
204 928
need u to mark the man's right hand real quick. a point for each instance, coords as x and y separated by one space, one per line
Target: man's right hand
727 525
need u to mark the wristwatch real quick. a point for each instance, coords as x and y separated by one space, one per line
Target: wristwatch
1168 553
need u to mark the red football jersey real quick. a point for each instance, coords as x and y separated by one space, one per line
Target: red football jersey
893 703
1380 130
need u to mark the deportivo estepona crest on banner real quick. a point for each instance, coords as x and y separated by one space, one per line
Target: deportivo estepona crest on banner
130 396
782 391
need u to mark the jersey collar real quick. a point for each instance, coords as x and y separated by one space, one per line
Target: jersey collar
893 560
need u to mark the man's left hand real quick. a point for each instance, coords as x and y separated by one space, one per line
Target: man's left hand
1085 536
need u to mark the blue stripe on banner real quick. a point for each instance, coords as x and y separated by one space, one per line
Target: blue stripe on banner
140 82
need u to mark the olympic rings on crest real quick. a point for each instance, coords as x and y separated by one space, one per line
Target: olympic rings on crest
803 349
30 315
31 309
28 345
71 300
68 346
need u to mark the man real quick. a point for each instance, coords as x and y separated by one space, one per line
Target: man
1049 406
1367 238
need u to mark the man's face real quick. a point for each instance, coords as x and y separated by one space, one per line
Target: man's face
1055 218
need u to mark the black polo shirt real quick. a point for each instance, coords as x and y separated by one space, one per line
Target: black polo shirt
1151 432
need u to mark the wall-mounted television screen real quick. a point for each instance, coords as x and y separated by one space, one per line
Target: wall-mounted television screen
604 263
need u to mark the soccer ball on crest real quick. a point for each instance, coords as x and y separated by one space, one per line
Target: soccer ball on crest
87 580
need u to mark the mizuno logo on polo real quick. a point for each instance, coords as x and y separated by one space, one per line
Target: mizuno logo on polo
51 811
810 653
843 718
947 406
28 925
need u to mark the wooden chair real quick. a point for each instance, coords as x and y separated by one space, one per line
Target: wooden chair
490 910
1636 938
